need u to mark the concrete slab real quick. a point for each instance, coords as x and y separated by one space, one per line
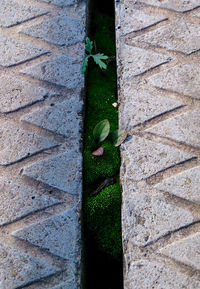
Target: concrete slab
13 52
41 88
13 13
158 80
54 71
60 30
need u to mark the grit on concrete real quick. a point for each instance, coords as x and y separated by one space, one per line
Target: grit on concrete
158 47
41 95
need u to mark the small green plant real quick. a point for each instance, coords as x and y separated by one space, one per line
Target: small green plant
102 131
96 57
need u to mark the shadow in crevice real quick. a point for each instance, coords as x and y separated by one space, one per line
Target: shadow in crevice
101 269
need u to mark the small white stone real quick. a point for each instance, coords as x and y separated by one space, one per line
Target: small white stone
115 104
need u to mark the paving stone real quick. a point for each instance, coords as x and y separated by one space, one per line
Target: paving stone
60 3
159 203
62 118
71 284
178 36
21 201
147 158
184 185
62 171
157 275
17 144
144 105
14 52
152 216
61 30
183 78
180 6
16 94
67 284
13 13
31 258
132 20
137 60
182 128
19 269
185 251
57 234
60 70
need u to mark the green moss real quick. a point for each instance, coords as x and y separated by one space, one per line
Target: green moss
101 167
102 213
103 217
101 95
104 34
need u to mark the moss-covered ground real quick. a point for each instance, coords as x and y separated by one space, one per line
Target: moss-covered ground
102 212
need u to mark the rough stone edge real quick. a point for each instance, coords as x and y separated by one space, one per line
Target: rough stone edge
83 252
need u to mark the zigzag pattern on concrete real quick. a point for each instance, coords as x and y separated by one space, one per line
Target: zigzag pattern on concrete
61 30
159 91
14 12
41 50
58 118
16 93
54 71
61 3
13 51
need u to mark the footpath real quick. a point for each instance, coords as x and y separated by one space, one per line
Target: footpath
41 95
158 46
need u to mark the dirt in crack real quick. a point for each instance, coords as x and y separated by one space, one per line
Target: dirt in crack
102 192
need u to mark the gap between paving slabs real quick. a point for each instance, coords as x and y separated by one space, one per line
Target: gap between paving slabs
102 210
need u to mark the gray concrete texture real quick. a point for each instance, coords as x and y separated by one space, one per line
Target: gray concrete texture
41 98
158 46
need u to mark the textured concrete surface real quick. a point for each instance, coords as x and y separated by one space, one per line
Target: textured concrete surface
13 51
179 36
61 118
41 99
158 46
61 3
54 71
174 79
62 30
14 12
16 93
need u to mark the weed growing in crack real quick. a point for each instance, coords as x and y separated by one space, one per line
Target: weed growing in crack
96 57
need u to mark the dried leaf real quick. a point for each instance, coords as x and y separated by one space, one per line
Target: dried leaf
99 152
118 137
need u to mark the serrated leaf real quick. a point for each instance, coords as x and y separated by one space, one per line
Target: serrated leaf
98 60
118 137
85 64
99 152
101 130
88 45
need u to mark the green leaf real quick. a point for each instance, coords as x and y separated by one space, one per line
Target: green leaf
88 45
118 137
85 64
98 60
101 130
